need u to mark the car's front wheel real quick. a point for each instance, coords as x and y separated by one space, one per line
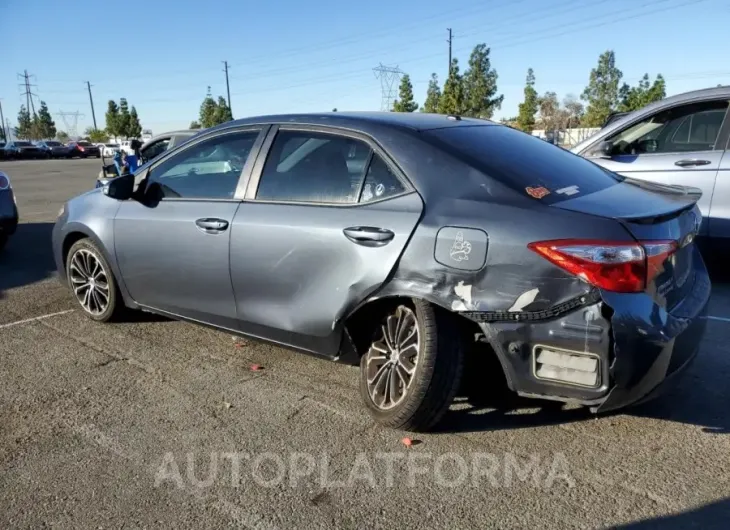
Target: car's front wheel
412 369
92 282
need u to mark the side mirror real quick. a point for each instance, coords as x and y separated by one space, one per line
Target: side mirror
120 188
648 146
605 149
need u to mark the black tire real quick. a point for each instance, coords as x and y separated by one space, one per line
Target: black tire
436 378
115 307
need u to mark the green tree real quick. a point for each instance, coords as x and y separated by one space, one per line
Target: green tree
480 85
405 102
135 127
124 122
112 119
223 112
574 110
208 111
552 116
96 136
452 98
433 95
24 129
602 92
62 136
634 98
45 125
194 125
529 107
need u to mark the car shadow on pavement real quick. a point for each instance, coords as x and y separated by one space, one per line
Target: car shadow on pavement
27 257
707 517
484 403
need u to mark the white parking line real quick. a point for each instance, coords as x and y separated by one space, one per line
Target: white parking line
3 326
718 319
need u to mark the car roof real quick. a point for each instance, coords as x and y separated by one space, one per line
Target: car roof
417 121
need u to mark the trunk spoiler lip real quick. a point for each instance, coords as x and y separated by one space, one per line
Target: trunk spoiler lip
675 200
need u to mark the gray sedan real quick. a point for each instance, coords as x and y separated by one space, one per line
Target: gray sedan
680 140
400 242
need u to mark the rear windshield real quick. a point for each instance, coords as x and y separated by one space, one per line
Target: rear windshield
84 143
523 162
53 144
24 144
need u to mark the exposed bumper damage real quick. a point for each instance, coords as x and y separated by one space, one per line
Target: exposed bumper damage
637 347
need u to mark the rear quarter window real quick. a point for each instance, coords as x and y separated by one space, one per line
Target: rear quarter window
522 161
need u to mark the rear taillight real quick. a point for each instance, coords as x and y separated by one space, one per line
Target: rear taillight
81 147
614 266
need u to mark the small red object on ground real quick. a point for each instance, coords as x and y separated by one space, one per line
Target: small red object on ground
256 367
407 442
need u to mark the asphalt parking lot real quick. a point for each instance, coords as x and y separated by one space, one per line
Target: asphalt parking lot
155 423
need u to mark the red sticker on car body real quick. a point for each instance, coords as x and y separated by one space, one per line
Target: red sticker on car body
538 192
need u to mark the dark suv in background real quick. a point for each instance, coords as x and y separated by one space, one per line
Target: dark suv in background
83 149
53 148
21 149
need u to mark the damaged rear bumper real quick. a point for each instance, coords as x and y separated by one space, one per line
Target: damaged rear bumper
626 347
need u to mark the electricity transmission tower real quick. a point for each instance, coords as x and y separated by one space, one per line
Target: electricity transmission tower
389 78
71 121
26 86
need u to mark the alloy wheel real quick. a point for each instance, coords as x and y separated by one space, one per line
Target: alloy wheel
392 358
89 281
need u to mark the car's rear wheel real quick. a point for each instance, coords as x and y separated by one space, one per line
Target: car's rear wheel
412 369
92 282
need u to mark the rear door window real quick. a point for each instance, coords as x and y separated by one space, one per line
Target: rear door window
523 162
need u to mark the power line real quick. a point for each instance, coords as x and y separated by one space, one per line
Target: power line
389 76
91 102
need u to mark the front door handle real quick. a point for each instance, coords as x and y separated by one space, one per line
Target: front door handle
691 162
211 226
368 236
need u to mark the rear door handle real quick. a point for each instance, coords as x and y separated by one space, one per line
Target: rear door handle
691 162
368 236
211 225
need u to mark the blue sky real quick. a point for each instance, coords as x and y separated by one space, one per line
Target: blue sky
291 56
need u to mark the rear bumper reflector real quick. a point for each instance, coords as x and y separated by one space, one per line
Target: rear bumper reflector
565 366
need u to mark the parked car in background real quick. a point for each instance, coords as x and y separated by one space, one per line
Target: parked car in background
8 210
680 140
109 149
83 149
328 233
614 116
150 150
53 149
21 149
2 150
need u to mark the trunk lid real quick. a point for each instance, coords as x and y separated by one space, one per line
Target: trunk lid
652 212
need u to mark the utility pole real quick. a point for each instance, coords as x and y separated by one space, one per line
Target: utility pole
228 88
450 40
91 101
7 129
6 133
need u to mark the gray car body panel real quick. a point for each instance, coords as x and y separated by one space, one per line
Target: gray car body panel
711 178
